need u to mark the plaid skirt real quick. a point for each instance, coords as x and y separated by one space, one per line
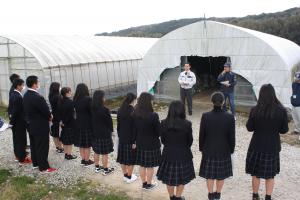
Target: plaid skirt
67 136
126 155
262 165
83 138
215 168
148 158
176 173
103 146
54 130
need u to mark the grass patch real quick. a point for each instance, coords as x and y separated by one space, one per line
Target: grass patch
114 103
28 188
4 175
3 113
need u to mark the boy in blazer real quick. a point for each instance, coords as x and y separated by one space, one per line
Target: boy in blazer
18 122
37 115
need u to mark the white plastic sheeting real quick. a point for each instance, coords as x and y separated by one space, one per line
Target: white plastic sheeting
258 57
108 63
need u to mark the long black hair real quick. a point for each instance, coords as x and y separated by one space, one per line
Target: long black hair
267 103
98 99
124 109
54 90
81 91
144 105
176 112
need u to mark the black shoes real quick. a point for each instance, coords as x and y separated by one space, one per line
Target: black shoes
59 150
214 196
150 186
88 163
177 198
70 157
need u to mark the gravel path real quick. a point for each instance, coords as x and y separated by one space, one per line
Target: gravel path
239 187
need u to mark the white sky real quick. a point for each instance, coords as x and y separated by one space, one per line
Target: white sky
95 16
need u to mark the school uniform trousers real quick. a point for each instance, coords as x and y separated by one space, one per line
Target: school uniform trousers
67 111
102 131
83 122
146 137
263 156
217 143
176 166
37 114
19 126
126 154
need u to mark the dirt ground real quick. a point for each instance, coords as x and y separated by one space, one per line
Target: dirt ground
236 188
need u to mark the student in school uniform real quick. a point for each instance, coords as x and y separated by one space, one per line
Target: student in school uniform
267 120
54 99
102 133
82 104
38 116
18 123
217 143
66 108
146 137
176 168
126 148
12 78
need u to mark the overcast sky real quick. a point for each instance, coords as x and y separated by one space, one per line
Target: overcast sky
95 16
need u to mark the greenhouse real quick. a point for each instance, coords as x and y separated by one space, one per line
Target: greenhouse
108 63
257 58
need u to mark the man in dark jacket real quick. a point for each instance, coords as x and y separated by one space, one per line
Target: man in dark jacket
37 115
295 101
228 80
18 122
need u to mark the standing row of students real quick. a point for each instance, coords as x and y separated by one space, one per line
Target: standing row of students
86 123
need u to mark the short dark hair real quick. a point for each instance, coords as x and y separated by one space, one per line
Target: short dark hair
217 98
17 82
13 77
186 63
31 80
64 91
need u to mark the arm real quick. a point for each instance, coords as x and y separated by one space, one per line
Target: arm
162 134
202 133
284 128
250 122
43 108
190 135
193 81
69 112
221 77
16 109
233 81
232 135
118 124
109 121
180 81
156 124
134 131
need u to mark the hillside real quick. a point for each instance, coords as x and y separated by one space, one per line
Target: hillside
285 24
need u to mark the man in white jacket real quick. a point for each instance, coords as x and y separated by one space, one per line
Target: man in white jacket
187 80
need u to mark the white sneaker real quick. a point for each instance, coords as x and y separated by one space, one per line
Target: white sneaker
133 178
125 179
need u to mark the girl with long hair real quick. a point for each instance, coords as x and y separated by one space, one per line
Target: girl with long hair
54 99
82 104
127 148
102 133
267 120
68 122
177 138
146 137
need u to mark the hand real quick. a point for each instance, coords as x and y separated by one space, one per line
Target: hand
134 146
227 85
51 117
223 72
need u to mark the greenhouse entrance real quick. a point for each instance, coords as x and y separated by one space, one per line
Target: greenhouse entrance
207 70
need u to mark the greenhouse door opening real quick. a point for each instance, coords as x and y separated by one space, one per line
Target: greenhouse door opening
206 70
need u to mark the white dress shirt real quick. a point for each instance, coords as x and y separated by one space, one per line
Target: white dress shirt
187 79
